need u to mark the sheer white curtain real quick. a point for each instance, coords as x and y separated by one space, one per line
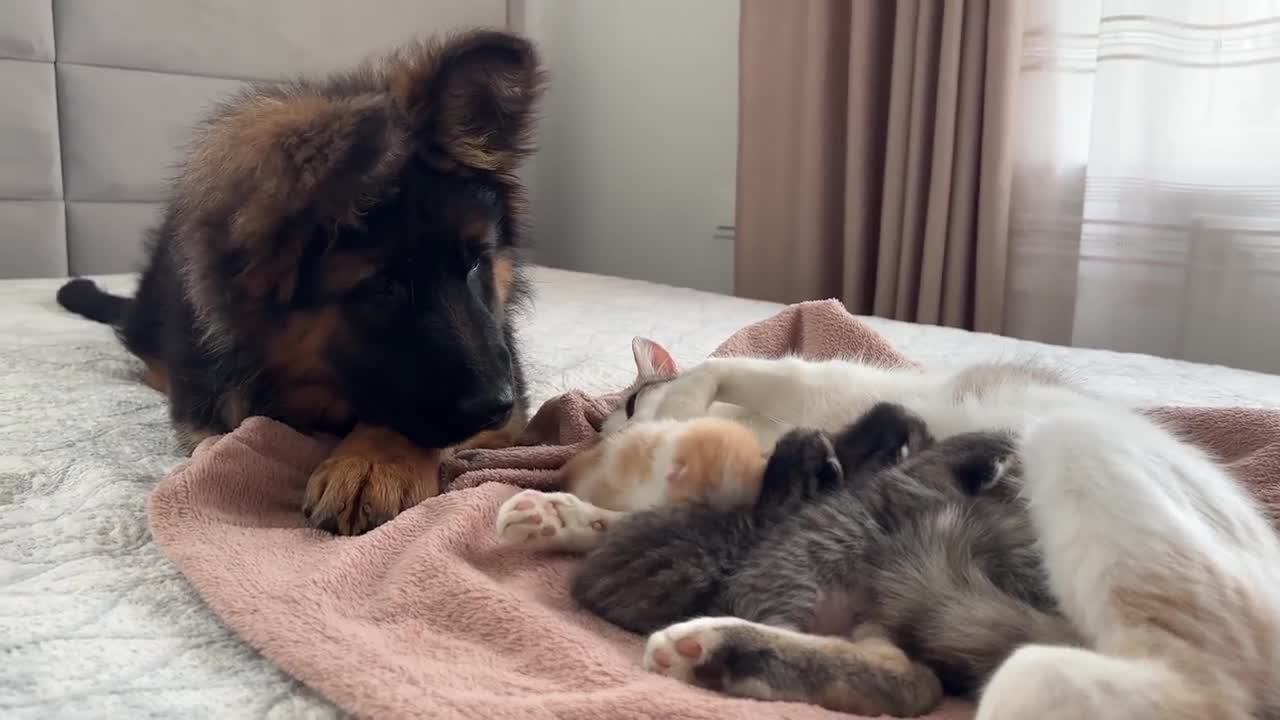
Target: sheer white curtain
1146 201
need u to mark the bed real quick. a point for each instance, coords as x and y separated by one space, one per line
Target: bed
95 622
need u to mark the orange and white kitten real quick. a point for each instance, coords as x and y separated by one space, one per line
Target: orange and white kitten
712 460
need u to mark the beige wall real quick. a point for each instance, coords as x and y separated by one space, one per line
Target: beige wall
639 140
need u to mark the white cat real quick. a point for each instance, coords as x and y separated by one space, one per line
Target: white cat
1155 554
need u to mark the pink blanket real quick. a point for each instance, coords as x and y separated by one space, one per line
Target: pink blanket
427 617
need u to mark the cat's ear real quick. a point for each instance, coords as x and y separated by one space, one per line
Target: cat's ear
653 362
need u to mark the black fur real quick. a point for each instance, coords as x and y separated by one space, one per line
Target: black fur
426 345
345 254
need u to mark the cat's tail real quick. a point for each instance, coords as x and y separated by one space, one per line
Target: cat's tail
957 621
1165 566
662 566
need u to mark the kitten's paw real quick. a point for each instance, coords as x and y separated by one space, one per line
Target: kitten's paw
886 434
685 651
995 472
548 521
983 462
807 457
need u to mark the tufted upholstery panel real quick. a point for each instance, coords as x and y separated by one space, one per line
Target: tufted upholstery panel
97 98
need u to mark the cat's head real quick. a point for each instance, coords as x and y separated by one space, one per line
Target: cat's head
654 367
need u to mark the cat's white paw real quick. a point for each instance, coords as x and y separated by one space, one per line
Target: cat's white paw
689 395
677 650
547 520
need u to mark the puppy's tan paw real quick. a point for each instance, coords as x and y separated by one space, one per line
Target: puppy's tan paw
369 478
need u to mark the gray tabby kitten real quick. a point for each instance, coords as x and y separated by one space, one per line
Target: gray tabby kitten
888 580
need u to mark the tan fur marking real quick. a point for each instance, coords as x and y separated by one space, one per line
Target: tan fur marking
505 436
319 404
233 406
370 477
1223 634
190 437
298 354
156 376
871 676
504 276
476 229
344 271
913 689
299 349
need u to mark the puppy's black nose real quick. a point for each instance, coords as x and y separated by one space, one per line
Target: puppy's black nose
487 411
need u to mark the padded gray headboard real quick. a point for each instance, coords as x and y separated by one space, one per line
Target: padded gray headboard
97 97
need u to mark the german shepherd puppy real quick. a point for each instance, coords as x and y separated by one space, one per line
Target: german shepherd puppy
342 256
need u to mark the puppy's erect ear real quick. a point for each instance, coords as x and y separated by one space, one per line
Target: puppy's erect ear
653 362
471 96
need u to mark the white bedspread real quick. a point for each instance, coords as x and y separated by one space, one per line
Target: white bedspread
95 623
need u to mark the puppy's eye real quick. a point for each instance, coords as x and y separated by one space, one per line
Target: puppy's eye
631 404
478 260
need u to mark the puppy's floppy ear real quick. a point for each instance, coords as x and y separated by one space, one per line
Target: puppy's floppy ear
269 166
269 156
471 96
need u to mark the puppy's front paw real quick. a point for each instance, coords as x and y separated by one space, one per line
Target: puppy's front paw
504 437
368 479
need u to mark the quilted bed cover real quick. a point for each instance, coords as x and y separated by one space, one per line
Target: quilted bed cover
94 622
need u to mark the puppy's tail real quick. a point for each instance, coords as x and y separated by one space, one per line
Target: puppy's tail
83 297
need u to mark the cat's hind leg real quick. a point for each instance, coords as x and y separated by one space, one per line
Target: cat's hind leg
866 676
1161 561
553 521
1065 683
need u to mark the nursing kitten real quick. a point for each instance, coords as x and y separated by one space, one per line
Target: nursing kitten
882 583
662 463
637 466
1153 553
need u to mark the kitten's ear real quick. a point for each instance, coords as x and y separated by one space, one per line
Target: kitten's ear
653 362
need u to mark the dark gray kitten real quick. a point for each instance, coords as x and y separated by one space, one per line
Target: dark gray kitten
925 567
